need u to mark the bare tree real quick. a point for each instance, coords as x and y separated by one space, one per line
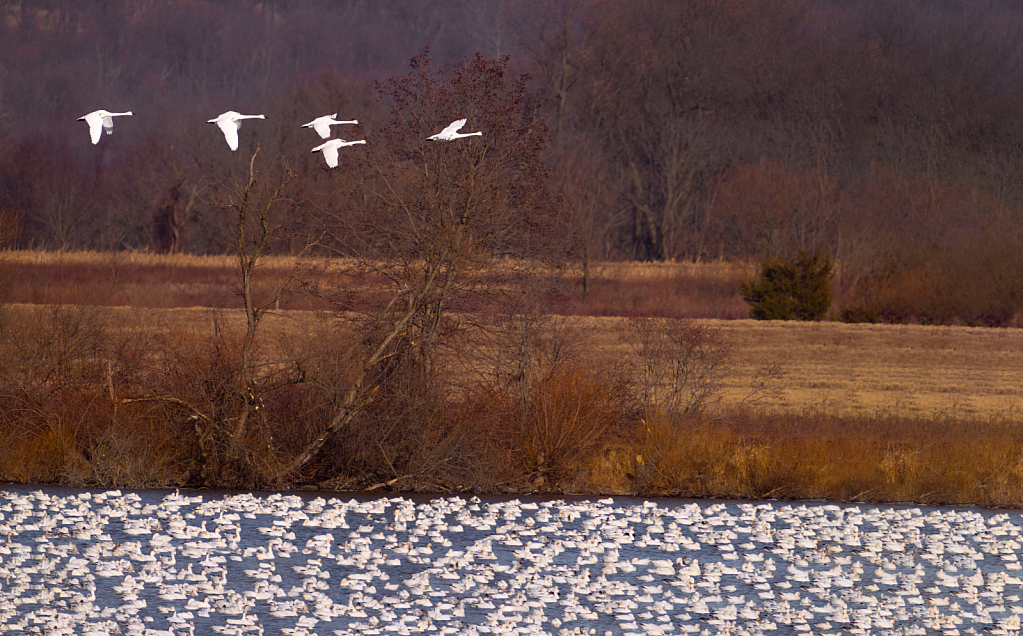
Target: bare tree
594 214
430 217
680 363
250 203
222 389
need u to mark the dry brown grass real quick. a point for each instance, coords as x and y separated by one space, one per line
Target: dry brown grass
713 270
862 369
142 279
833 368
127 259
903 370
881 458
632 271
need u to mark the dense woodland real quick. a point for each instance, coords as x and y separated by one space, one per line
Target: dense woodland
887 134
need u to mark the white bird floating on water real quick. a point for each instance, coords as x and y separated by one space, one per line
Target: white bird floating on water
451 132
68 565
322 124
100 120
329 149
230 122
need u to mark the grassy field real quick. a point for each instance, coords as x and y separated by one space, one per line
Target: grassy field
904 370
182 280
830 367
833 368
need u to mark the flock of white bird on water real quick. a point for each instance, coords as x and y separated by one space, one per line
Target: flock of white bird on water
229 123
155 564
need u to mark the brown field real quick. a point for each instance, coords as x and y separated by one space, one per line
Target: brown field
902 370
140 279
833 368
828 367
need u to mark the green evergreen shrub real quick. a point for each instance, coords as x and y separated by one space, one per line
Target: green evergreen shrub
797 289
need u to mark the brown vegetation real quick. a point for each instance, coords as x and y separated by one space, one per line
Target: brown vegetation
853 412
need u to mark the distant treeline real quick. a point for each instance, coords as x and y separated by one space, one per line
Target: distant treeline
887 134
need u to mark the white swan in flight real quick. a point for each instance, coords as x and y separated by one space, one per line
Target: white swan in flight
230 122
100 120
322 124
329 149
451 132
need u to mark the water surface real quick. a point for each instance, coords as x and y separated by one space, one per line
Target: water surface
159 562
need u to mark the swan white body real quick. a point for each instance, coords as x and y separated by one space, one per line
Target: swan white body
230 122
322 124
451 132
100 120
329 149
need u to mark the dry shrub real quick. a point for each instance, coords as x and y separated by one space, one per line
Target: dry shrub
43 452
951 460
55 362
402 433
664 462
572 415
199 385
409 433
686 456
197 389
138 448
613 470
1002 481
412 438
69 366
680 363
52 347
482 441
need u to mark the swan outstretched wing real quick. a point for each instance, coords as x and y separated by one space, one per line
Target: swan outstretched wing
452 128
230 128
330 155
322 125
329 150
96 123
322 128
95 127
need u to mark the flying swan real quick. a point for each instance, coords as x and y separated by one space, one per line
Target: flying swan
99 120
322 124
230 122
451 132
329 149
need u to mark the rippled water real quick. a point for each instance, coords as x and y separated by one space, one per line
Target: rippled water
79 562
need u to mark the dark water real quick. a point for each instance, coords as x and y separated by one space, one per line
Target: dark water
158 562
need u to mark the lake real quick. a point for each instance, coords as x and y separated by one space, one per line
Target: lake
160 563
